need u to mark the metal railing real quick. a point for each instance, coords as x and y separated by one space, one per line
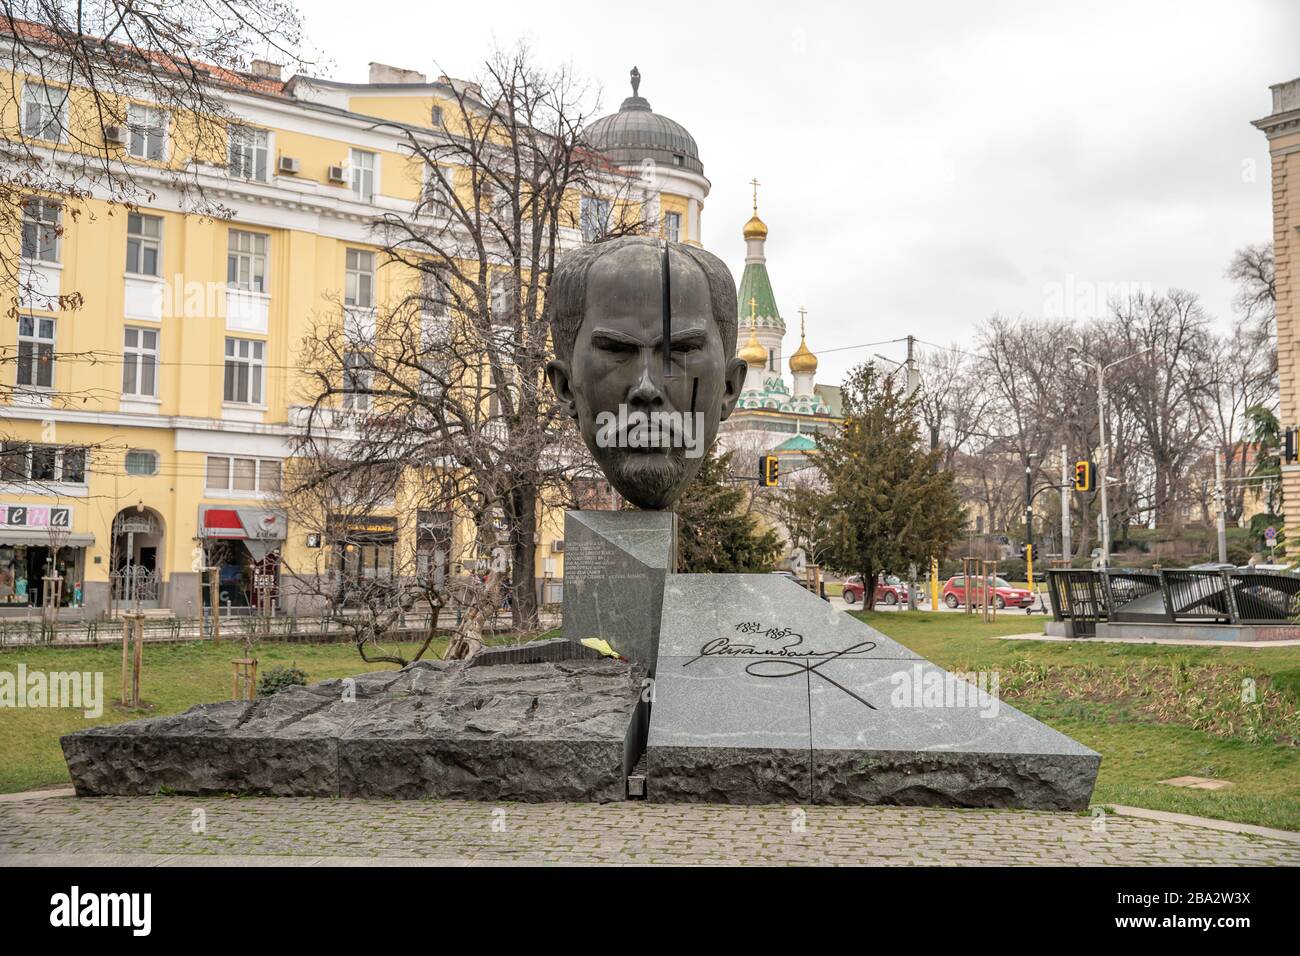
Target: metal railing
1133 596
1173 596
1077 597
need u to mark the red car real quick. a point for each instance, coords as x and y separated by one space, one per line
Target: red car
889 590
1004 595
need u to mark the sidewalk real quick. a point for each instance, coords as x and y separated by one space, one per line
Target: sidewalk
161 831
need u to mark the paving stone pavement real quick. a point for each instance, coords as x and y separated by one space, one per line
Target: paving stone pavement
162 829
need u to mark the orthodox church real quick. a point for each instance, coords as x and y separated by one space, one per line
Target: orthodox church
774 414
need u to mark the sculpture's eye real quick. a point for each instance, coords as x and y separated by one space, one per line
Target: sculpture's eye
614 346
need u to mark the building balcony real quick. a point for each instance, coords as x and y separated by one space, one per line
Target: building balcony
39 285
247 311
143 298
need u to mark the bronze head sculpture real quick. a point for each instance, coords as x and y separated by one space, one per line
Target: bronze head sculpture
648 418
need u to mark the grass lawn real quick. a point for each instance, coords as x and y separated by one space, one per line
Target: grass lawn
174 678
1152 712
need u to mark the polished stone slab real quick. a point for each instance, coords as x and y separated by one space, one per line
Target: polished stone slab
615 563
759 681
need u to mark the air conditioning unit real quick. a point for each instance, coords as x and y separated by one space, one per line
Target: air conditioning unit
557 546
288 164
338 174
116 135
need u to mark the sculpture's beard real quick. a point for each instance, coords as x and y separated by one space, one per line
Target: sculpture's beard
649 480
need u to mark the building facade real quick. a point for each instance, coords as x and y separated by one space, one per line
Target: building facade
148 430
1282 127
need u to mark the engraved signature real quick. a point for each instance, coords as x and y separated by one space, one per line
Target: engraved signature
785 658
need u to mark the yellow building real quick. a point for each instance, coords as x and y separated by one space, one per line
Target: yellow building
159 415
1282 127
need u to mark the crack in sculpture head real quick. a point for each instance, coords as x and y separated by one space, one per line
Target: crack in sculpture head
647 431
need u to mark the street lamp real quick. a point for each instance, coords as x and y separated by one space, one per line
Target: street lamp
1101 433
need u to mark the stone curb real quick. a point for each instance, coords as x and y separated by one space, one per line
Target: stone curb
1186 819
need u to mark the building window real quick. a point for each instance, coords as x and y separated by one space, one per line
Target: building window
35 351
362 164
243 474
142 462
673 226
246 261
248 152
44 111
359 283
436 117
679 159
148 132
21 462
143 244
140 362
245 365
594 217
41 219
72 466
357 376
771 360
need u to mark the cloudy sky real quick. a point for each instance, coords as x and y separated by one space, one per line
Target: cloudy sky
922 165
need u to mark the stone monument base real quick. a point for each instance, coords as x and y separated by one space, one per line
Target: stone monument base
764 693
530 732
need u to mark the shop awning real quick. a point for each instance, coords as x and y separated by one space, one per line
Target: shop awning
41 537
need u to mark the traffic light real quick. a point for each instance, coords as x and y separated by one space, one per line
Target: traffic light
769 471
1083 476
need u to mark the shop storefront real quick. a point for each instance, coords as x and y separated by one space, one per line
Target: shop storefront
36 547
244 545
365 551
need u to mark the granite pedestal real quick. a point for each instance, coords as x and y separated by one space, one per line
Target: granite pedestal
764 693
615 563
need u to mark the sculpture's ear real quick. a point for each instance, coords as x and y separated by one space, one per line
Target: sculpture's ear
557 373
736 370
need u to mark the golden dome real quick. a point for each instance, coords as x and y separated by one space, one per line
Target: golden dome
803 359
753 352
755 228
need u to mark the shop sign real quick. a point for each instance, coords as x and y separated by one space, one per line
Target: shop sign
257 524
35 516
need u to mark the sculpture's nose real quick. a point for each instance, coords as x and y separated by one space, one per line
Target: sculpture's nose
646 390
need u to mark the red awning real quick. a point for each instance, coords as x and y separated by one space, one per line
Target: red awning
223 523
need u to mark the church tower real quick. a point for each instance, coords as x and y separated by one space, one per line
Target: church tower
755 285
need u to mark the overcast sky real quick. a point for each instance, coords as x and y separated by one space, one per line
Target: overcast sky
922 165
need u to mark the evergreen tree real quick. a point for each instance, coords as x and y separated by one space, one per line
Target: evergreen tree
714 534
887 502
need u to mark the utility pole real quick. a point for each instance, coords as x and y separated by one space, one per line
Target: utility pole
1029 518
1103 459
913 373
1101 465
1066 550
1220 502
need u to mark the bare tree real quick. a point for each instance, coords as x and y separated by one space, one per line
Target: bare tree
452 375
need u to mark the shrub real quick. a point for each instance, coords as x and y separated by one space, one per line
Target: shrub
278 678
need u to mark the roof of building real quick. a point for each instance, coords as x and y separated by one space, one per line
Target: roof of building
636 132
797 443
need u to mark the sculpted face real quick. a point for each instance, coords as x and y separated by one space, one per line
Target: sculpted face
649 433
